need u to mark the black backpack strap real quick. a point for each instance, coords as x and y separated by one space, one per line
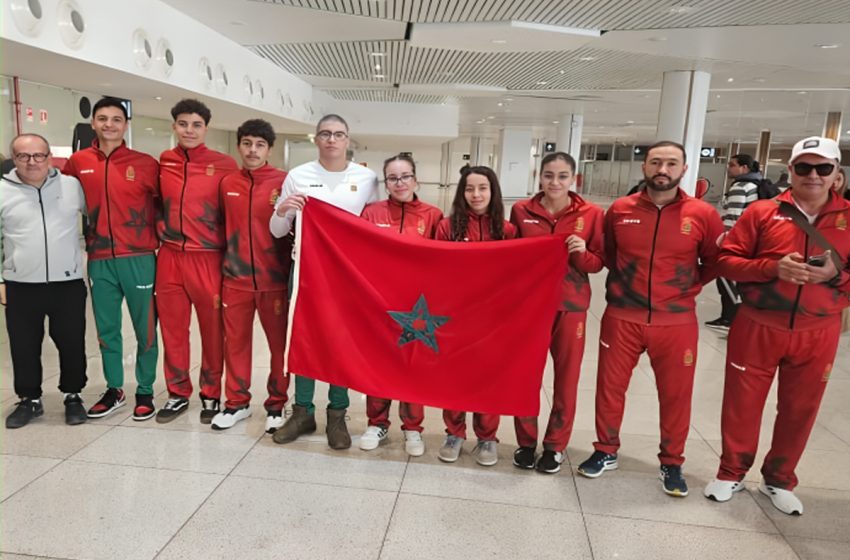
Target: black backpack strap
790 210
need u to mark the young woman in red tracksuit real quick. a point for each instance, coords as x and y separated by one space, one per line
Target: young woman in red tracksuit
555 210
477 215
404 213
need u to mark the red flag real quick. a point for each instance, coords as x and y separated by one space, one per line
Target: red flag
461 326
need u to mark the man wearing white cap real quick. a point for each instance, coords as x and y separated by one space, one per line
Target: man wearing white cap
789 255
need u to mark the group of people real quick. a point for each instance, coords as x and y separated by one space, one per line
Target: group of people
197 230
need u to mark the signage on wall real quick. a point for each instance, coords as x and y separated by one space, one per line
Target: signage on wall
549 147
42 116
465 157
29 114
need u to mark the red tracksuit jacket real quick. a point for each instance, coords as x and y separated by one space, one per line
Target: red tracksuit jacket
580 218
750 255
254 259
659 259
120 190
188 181
478 229
409 218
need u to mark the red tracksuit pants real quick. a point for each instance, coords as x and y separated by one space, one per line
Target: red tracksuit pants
484 425
567 348
753 354
237 312
378 411
672 352
185 279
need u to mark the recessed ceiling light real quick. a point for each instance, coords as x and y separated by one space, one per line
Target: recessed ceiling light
562 72
555 122
491 117
681 9
730 80
377 67
509 99
499 104
149 128
377 54
658 39
378 76
717 96
587 58
802 92
498 41
827 45
630 122
759 80
542 83
158 98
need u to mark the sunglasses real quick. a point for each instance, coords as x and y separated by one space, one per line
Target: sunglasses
804 169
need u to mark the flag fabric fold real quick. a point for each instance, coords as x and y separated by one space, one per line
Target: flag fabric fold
461 326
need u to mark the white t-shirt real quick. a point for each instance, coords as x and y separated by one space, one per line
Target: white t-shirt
350 190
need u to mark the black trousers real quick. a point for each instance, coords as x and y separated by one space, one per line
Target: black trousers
64 305
730 299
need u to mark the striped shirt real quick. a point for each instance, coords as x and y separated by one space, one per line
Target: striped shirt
738 197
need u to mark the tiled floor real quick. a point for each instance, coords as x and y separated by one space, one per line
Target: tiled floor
114 488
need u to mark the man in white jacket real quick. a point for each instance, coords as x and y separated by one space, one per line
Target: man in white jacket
40 212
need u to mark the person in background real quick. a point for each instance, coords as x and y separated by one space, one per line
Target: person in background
40 216
404 214
477 215
556 210
121 186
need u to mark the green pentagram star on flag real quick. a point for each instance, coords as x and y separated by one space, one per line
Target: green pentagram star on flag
419 324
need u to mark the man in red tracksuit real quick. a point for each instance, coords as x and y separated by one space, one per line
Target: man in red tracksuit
188 271
121 186
790 257
660 248
557 210
256 271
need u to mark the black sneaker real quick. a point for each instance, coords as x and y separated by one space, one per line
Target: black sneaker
75 412
174 407
209 408
144 408
524 457
597 464
109 402
719 323
25 410
549 462
673 481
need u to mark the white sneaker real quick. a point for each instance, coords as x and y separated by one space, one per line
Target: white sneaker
228 417
486 453
450 451
274 421
413 443
372 437
722 490
783 500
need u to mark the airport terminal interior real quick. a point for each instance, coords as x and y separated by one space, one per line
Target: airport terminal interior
497 83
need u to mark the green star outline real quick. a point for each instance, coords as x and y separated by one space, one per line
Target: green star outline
432 322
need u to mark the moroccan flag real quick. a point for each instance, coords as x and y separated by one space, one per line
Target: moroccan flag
461 326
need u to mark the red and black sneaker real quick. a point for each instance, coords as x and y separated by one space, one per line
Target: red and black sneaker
144 409
109 402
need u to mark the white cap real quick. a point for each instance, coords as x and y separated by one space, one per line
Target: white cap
825 147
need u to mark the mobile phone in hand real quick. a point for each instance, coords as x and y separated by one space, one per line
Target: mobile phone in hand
817 260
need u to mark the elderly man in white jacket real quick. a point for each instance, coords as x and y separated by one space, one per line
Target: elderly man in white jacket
40 212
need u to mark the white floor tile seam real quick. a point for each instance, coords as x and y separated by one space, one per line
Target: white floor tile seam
492 502
392 511
188 429
313 482
583 514
763 507
832 432
205 500
35 557
692 525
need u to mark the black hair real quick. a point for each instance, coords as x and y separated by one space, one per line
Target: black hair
459 217
664 144
399 157
258 128
110 102
332 117
747 161
563 156
189 106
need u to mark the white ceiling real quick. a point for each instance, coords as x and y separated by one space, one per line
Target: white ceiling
602 58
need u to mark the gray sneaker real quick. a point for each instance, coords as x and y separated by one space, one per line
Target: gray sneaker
451 449
485 453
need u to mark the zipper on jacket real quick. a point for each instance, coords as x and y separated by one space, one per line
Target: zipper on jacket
651 259
251 229
44 227
401 227
183 194
480 228
108 208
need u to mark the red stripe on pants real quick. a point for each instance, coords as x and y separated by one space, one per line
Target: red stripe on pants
238 308
185 279
378 411
754 353
484 425
567 349
672 352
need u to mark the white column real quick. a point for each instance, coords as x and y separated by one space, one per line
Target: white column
832 126
569 134
681 116
514 167
474 150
